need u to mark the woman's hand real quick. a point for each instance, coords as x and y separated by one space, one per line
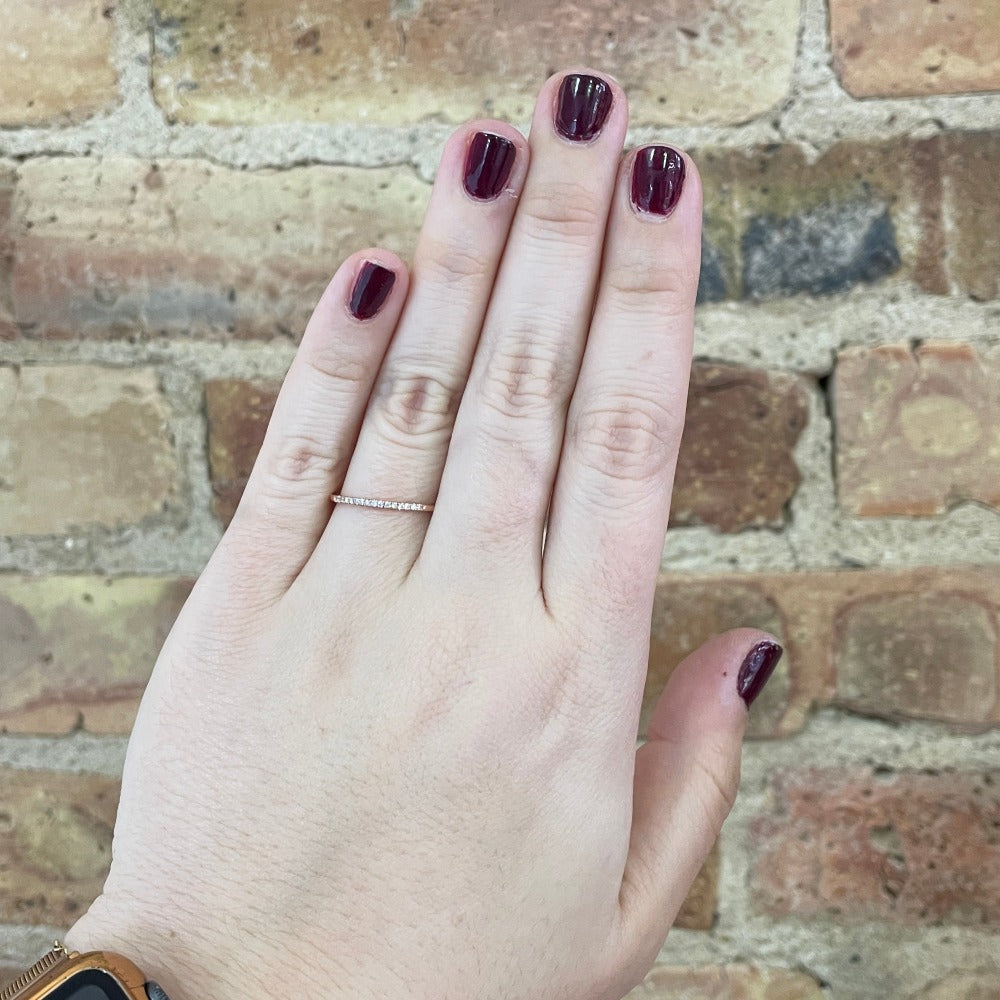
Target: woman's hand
388 753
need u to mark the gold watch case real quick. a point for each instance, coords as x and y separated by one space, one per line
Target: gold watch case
51 974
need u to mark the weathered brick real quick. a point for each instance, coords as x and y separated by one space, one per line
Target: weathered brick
55 844
917 430
919 643
777 224
82 445
912 848
698 911
238 412
971 166
57 64
122 247
727 982
895 48
79 650
736 466
979 985
708 61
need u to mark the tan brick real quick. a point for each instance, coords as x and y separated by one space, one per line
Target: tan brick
238 412
57 64
79 650
82 446
698 911
736 466
860 845
122 247
917 430
971 166
727 982
940 660
980 985
895 48
55 844
264 61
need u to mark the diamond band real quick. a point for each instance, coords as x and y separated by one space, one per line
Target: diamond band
390 504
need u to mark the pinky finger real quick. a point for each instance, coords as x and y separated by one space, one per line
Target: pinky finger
317 417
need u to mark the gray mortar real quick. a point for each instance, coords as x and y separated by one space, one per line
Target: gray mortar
799 334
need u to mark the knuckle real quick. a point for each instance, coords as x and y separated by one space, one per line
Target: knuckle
570 213
412 407
665 292
300 460
454 265
627 439
339 372
524 376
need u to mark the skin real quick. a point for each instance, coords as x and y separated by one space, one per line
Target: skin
389 753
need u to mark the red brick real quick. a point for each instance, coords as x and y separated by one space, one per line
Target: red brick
904 644
124 248
971 166
917 431
263 61
727 982
736 467
83 446
55 844
910 848
896 48
238 413
57 65
7 180
79 650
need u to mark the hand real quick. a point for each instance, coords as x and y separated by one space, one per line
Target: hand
389 753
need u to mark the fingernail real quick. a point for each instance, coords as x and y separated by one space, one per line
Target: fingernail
370 290
584 103
756 669
488 165
657 179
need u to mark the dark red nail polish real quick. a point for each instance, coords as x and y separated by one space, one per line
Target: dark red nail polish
657 179
756 669
371 290
584 103
488 165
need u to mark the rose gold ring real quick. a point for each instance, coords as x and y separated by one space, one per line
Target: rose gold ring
389 504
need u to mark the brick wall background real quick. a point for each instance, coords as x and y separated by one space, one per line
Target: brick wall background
177 182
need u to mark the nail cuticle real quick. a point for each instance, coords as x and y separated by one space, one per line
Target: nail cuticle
757 669
371 288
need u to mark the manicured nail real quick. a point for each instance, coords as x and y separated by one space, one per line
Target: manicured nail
584 103
371 290
488 165
756 669
657 179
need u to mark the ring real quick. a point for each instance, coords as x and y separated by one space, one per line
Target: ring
389 504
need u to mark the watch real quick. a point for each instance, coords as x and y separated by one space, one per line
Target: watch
94 975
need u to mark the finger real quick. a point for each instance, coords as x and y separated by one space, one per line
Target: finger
686 779
498 479
404 438
611 498
315 422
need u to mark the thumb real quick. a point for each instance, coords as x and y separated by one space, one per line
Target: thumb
686 778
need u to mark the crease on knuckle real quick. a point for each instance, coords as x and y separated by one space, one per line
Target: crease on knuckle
666 292
570 214
453 265
301 459
627 439
413 407
340 373
524 378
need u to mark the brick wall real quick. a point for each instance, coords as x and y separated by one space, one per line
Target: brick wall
177 183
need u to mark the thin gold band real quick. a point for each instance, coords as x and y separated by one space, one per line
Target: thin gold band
389 504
